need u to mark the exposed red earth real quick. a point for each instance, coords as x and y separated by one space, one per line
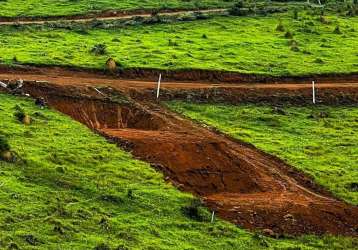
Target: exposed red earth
193 78
241 183
329 89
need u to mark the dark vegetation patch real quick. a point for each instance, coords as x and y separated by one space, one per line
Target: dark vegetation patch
195 211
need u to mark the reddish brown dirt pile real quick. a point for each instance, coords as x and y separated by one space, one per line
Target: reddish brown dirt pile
243 184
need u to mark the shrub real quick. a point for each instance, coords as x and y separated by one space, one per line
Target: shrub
195 211
352 186
238 9
324 20
293 42
172 43
288 35
102 246
295 48
280 27
295 14
319 60
19 113
130 194
99 49
337 30
4 144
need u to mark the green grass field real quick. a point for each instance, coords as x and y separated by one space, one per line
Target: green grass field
240 44
325 148
70 189
12 8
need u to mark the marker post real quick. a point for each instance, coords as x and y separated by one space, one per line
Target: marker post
158 87
212 217
313 93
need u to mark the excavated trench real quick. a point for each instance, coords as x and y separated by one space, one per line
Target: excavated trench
241 183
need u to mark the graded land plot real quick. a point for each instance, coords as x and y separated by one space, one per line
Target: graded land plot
252 45
321 141
70 189
45 8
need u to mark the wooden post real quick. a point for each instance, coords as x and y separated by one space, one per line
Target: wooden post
3 85
212 216
313 93
158 87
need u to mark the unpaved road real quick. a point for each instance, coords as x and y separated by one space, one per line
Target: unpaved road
333 90
104 16
241 183
68 77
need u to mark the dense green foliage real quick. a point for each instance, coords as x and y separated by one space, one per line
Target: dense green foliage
274 45
321 141
42 8
70 189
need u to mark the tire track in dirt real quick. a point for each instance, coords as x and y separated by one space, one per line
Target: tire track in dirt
241 183
103 16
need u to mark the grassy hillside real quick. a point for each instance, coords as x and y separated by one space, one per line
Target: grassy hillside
12 8
322 141
307 45
70 189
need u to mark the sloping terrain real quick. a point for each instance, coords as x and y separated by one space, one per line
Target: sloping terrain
246 45
70 189
239 182
320 140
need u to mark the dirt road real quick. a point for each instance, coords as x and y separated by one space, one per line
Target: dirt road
68 77
330 90
102 16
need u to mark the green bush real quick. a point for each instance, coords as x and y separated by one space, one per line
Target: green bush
99 49
238 9
280 27
4 144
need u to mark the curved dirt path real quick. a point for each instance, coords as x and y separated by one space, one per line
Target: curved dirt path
104 16
241 183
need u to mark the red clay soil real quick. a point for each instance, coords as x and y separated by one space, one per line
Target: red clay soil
330 89
241 183
144 78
